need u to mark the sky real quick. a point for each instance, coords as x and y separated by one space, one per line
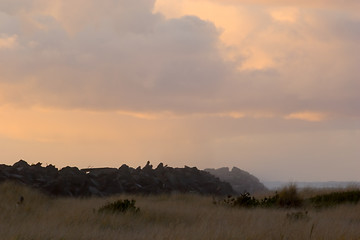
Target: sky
269 86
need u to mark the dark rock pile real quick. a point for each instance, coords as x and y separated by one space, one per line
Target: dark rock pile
241 181
71 181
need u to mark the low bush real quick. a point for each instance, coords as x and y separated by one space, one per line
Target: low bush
289 197
120 206
331 199
270 201
244 200
247 201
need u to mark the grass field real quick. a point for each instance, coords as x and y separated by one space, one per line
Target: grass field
175 216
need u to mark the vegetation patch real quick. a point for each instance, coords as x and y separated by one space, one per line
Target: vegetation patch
335 198
120 206
247 201
244 200
176 216
288 197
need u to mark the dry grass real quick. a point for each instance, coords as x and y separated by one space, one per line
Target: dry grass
163 217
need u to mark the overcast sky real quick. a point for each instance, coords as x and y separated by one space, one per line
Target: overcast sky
271 87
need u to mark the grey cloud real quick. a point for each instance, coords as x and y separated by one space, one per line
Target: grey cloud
14 7
124 57
154 64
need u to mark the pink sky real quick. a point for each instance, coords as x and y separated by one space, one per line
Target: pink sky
271 87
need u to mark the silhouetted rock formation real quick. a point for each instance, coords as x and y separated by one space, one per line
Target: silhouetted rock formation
240 180
71 181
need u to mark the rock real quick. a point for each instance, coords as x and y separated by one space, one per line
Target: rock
148 167
20 165
240 180
70 181
160 166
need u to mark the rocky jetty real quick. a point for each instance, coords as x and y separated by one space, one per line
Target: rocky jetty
240 180
71 181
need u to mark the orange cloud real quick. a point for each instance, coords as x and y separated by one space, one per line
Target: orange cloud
287 14
147 115
236 23
232 21
175 63
351 4
307 116
8 42
245 114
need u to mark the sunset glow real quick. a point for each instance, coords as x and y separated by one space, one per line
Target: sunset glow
271 87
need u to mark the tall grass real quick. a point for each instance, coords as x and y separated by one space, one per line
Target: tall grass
177 216
289 197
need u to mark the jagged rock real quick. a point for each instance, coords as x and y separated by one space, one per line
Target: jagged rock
240 180
70 181
148 166
97 172
51 171
20 165
160 166
124 167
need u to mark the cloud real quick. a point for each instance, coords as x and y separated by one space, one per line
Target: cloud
8 42
307 116
285 14
124 56
142 64
205 83
302 3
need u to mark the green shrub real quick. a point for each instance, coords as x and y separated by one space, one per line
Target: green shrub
270 201
120 206
245 200
331 199
289 197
